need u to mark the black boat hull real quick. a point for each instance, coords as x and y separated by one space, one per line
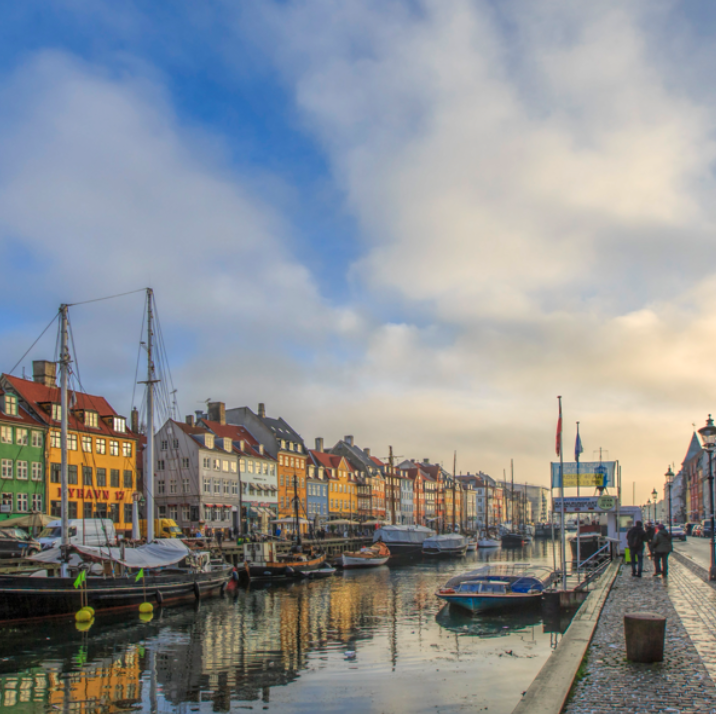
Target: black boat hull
513 540
25 597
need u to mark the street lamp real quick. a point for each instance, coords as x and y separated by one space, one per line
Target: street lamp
669 482
654 496
708 434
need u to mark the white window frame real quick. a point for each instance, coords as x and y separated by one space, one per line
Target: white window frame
21 437
100 446
6 469
36 471
127 449
113 447
87 444
10 405
6 434
22 501
21 470
37 439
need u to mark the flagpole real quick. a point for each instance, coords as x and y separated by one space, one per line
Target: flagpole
577 448
561 494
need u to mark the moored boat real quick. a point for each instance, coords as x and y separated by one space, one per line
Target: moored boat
500 586
487 542
445 546
372 557
403 541
262 562
513 540
471 545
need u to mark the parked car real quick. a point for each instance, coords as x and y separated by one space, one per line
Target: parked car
678 533
696 532
15 543
688 527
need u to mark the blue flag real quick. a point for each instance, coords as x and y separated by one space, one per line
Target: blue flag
578 447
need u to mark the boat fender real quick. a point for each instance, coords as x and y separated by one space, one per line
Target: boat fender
197 591
159 597
446 591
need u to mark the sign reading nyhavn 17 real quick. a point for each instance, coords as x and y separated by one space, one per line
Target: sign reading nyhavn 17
599 474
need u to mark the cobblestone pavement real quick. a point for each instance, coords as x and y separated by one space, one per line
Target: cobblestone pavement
681 684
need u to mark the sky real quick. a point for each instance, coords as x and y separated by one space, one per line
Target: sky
414 222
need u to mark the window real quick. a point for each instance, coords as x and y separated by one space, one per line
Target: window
280 480
165 445
87 444
6 468
55 471
185 463
175 443
21 470
173 512
114 478
55 506
232 467
242 465
185 485
127 512
120 424
11 404
185 513
37 439
6 434
100 446
72 442
21 437
207 486
72 475
57 412
37 502
101 476
194 513
226 486
207 513
113 448
22 502
114 512
87 476
235 488
72 510
128 478
217 465
36 471
127 449
206 461
101 510
160 486
217 485
173 486
251 467
224 465
91 419
160 465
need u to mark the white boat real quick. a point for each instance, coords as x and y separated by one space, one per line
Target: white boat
471 545
445 546
403 541
366 557
488 543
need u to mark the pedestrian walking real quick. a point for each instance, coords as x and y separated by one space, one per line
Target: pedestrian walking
661 547
636 537
219 537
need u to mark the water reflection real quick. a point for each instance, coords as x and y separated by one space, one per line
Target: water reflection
284 649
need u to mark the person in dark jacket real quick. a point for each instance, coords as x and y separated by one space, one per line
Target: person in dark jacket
636 537
660 548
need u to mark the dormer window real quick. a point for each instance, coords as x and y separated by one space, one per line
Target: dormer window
56 412
209 441
120 424
91 419
10 405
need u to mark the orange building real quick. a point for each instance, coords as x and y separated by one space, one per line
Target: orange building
101 450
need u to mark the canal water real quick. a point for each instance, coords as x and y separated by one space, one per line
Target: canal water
362 641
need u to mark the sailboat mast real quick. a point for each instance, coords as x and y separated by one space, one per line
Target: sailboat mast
149 465
64 369
512 494
454 472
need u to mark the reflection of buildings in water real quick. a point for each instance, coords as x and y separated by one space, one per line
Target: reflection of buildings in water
107 683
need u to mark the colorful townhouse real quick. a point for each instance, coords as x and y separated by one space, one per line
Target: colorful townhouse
342 483
22 458
101 453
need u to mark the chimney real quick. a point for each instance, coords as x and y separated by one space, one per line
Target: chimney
367 452
134 420
190 419
319 443
217 412
44 372
348 440
262 410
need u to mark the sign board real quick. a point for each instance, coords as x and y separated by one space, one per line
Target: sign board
5 508
586 504
595 474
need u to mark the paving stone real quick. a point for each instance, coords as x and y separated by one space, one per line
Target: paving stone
684 682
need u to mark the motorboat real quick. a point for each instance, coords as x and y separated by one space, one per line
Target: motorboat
450 545
403 541
368 557
513 540
589 544
262 562
494 587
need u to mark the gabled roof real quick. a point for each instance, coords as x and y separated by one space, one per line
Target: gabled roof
330 461
23 417
694 448
35 394
282 429
237 434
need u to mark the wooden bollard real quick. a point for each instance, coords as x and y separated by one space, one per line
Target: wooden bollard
644 634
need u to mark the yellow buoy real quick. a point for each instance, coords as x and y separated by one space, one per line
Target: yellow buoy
146 616
89 609
83 616
146 608
84 626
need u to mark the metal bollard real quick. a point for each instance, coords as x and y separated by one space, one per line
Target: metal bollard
644 634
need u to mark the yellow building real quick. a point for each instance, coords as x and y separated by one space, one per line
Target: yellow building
342 484
101 455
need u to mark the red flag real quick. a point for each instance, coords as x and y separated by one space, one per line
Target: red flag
558 442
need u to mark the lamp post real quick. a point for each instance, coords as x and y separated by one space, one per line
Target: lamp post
669 481
708 434
654 496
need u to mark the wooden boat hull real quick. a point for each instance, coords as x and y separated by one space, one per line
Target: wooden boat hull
23 597
483 603
351 562
284 570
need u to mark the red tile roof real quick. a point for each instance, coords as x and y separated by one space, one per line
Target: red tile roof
35 394
236 434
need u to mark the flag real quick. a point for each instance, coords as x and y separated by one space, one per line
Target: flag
140 574
80 578
578 447
558 442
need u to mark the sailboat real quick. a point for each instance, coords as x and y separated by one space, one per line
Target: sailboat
512 539
114 577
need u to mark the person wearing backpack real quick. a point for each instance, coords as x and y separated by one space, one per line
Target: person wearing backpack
636 537
661 547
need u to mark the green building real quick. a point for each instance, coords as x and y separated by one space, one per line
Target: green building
22 459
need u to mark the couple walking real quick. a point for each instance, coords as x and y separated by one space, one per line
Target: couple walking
660 546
